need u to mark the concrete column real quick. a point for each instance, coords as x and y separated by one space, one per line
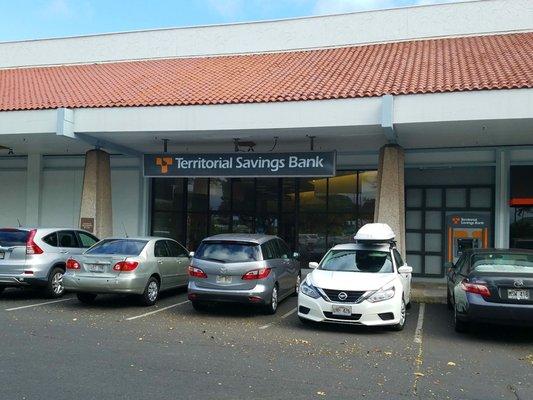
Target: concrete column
96 206
390 201
502 193
33 189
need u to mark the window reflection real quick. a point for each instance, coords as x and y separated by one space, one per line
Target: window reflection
197 194
243 191
368 185
313 193
219 194
343 192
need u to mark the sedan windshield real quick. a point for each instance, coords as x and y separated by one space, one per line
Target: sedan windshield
358 261
503 263
123 247
228 252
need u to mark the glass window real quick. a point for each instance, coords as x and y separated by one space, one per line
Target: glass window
498 262
13 237
175 250
219 224
341 228
288 193
51 239
167 224
456 197
123 247
197 199
86 239
313 193
413 219
228 252
268 250
243 224
283 249
160 250
343 192
358 261
219 194
368 186
267 190
433 220
413 241
267 224
397 258
415 261
67 239
168 194
481 197
312 236
522 227
243 190
414 198
434 198
433 265
197 224
433 242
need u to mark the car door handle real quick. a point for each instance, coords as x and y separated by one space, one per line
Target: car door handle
64 252
160 261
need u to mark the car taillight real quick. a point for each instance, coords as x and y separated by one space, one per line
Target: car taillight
31 247
125 266
477 288
73 264
256 274
196 272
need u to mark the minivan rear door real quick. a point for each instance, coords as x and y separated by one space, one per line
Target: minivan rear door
13 250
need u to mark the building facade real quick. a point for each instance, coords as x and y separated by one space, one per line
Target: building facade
429 123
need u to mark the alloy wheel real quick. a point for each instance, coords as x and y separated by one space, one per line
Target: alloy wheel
57 283
152 291
298 281
402 313
274 299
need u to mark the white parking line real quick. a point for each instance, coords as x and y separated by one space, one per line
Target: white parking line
420 324
282 317
37 305
157 311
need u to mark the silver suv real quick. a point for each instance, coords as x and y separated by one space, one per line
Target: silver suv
37 257
243 268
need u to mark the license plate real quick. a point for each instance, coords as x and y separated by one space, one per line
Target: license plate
341 310
223 279
2 255
96 268
518 294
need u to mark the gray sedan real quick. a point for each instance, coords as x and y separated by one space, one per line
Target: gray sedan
243 268
141 266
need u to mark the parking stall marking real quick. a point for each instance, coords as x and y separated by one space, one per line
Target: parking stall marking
282 317
418 339
38 304
420 324
157 311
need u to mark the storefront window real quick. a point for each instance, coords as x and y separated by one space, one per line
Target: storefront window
521 207
313 194
219 194
242 200
197 199
342 194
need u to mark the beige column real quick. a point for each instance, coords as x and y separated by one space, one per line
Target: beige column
390 201
96 208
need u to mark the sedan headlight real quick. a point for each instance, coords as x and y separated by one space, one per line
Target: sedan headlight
309 290
382 295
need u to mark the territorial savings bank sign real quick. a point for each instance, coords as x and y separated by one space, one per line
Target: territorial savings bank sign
313 164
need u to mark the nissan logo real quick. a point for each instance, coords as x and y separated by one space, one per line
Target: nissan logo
518 283
342 296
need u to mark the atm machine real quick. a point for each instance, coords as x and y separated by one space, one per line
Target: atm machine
466 231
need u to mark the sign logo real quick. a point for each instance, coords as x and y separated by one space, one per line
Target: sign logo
342 296
456 220
164 163
518 283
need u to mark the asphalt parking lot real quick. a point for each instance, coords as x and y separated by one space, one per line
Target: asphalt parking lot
116 349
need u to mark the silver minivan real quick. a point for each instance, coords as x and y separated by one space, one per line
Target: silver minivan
36 257
243 268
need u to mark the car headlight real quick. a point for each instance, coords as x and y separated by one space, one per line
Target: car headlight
309 290
382 295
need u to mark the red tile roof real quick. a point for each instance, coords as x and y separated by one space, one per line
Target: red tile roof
425 66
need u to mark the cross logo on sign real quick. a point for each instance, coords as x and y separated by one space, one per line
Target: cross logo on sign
163 162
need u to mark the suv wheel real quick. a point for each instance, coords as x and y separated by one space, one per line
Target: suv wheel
86 298
54 286
151 292
272 306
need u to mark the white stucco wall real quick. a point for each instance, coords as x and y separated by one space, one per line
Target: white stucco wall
475 17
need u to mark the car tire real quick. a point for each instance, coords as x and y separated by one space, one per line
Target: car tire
151 292
400 325
459 325
305 321
2 289
272 306
297 285
54 287
86 298
199 306
449 302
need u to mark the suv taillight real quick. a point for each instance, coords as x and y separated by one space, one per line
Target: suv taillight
196 272
477 288
31 246
125 266
256 274
73 264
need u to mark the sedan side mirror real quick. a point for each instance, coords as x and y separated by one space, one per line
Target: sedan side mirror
313 265
296 255
405 269
191 254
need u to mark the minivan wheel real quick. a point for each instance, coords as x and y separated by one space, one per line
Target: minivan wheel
151 292
86 298
272 306
400 325
298 282
54 287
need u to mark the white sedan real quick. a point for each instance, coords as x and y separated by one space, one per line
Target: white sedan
364 283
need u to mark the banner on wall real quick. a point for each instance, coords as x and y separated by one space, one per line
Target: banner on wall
312 164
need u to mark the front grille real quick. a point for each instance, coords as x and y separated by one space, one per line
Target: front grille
353 317
353 296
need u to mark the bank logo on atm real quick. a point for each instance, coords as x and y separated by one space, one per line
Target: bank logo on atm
164 163
456 220
299 164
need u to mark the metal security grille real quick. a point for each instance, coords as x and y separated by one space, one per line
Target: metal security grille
425 220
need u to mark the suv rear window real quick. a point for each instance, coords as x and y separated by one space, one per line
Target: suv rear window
13 237
123 247
228 252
